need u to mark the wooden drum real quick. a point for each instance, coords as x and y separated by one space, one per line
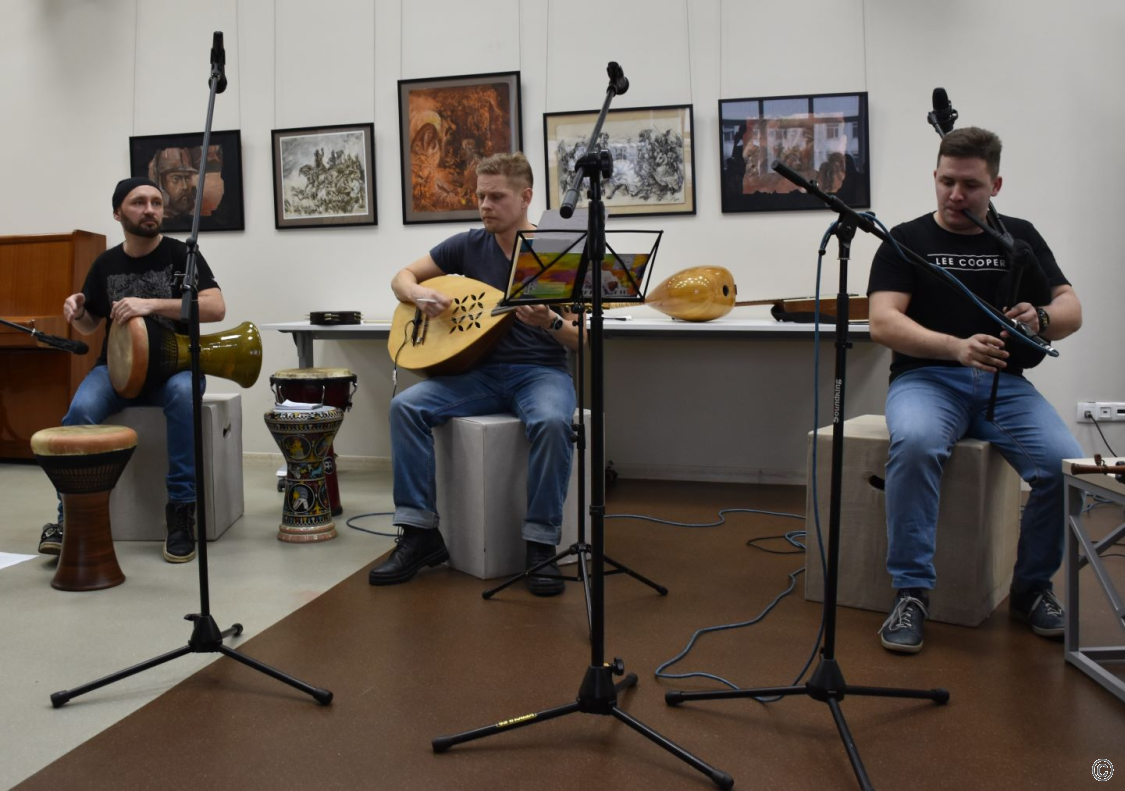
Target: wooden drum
304 436
143 353
327 386
84 463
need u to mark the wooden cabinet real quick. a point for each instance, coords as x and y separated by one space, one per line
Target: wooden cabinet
37 273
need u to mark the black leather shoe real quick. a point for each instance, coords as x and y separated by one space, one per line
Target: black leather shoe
543 585
179 543
903 630
417 547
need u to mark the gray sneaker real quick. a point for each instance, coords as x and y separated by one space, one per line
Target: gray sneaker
1040 610
902 631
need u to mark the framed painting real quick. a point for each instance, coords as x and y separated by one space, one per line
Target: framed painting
653 158
446 126
324 176
823 137
172 161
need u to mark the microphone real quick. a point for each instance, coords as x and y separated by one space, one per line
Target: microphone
617 79
66 344
943 116
219 61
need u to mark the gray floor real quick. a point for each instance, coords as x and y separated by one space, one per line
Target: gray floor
56 640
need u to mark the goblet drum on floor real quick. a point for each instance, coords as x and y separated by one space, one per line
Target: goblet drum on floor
84 463
304 436
325 386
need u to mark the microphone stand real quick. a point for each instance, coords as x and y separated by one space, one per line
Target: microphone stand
598 692
55 341
205 635
827 683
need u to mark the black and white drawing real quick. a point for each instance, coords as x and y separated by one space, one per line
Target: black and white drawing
323 176
651 149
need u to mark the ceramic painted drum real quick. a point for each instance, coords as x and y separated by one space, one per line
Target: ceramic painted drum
305 437
327 386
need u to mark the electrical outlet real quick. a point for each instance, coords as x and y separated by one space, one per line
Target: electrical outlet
1102 411
1111 410
1086 410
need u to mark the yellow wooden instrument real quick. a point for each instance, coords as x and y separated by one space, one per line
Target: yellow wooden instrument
451 342
703 293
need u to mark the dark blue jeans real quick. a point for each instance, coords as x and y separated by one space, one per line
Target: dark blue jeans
928 411
96 400
543 398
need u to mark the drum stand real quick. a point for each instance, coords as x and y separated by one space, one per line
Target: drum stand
580 548
205 636
598 693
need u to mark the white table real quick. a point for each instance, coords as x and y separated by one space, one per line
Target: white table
1082 551
725 328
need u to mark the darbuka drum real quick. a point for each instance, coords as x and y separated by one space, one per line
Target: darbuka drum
143 352
304 436
84 463
328 386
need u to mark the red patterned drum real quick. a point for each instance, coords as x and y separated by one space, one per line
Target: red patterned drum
305 436
327 386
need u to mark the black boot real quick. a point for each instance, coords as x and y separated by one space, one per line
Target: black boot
543 585
417 547
179 546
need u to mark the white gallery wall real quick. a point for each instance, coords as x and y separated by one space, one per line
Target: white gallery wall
82 76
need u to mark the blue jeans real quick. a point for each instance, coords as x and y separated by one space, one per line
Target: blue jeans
96 400
543 398
928 411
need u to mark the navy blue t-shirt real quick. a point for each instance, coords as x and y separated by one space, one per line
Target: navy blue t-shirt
476 254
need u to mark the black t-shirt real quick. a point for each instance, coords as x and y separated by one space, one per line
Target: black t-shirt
115 275
476 254
978 262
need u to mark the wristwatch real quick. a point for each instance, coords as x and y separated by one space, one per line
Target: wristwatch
1044 318
557 324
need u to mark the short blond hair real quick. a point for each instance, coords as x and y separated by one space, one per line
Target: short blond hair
514 167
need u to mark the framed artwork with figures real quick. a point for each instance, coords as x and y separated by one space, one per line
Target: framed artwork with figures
823 137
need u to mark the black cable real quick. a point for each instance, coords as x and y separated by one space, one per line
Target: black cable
372 532
1099 428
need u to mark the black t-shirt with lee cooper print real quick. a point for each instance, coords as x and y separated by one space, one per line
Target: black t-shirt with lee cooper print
115 275
978 262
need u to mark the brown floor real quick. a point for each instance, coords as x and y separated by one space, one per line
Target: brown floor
411 662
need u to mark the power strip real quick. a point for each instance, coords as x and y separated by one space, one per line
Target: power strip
1102 411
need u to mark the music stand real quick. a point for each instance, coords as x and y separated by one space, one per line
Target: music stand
545 271
598 693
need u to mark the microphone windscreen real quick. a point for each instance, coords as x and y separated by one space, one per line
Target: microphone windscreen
941 99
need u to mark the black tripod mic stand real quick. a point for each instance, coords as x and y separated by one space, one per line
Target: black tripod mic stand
598 692
205 636
580 549
827 683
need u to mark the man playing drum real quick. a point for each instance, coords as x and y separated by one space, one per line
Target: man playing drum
138 278
525 373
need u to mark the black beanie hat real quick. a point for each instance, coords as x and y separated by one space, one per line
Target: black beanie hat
125 186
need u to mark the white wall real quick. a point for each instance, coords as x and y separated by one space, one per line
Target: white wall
81 76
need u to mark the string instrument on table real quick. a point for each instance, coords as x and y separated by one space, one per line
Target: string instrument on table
703 293
451 342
